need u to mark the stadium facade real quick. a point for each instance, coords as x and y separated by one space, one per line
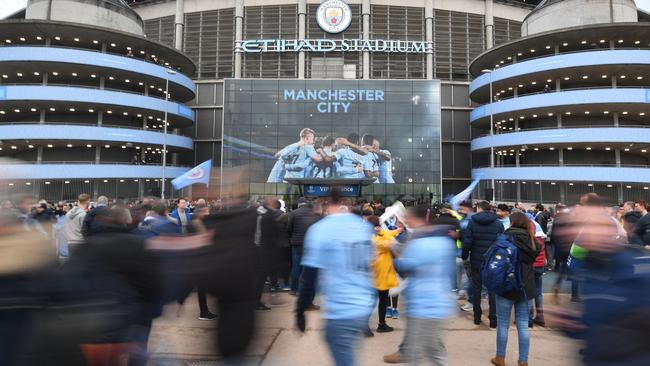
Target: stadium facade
83 103
564 109
274 44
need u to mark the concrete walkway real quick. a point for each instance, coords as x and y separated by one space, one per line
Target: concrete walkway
179 338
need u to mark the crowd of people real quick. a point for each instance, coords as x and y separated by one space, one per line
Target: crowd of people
358 255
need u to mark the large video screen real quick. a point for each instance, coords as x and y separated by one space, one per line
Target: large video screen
385 131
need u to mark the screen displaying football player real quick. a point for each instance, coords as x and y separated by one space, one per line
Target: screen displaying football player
385 160
295 160
327 167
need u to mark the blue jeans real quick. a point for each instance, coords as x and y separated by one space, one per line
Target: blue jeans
342 336
296 268
522 309
539 308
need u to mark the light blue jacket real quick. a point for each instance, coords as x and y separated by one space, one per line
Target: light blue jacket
428 262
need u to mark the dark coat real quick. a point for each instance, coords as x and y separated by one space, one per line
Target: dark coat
299 221
542 220
527 255
642 229
479 236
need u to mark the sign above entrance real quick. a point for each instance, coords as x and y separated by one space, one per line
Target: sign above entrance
332 45
334 16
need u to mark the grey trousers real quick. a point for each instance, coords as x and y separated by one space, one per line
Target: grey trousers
423 343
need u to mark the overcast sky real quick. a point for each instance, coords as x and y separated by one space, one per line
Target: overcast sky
8 7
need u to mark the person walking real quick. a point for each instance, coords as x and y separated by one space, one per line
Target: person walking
299 221
522 234
482 230
339 247
384 271
197 225
427 259
73 225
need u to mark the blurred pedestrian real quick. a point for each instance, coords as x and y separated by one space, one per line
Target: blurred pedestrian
339 246
428 260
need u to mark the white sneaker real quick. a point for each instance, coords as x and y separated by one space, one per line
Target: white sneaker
467 307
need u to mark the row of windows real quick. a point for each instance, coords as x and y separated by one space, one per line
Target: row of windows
209 41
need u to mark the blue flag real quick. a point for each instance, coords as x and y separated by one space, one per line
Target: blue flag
462 196
198 174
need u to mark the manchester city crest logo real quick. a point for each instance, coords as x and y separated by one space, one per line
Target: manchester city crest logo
334 16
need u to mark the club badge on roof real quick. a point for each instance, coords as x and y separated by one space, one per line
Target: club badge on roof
334 16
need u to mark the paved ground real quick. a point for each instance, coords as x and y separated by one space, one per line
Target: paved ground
179 338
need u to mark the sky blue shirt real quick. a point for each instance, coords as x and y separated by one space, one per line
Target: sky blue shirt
340 247
506 223
429 262
298 160
347 160
386 169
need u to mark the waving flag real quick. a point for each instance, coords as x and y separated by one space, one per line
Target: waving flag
462 196
198 174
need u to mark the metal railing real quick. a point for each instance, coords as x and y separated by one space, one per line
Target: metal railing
539 56
135 56
613 165
486 134
89 162
54 123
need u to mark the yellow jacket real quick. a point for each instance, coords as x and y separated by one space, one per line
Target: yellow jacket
382 266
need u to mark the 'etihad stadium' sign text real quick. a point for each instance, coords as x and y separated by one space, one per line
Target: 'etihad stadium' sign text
333 45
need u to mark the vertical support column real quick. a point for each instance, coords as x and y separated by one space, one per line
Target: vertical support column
557 48
559 120
104 47
428 18
618 157
179 23
302 26
41 119
517 158
239 33
102 82
616 123
365 12
515 91
614 81
518 191
562 192
39 155
489 24
620 193
561 156
140 189
46 78
100 118
558 84
98 153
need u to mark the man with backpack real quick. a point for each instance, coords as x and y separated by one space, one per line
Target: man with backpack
482 231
